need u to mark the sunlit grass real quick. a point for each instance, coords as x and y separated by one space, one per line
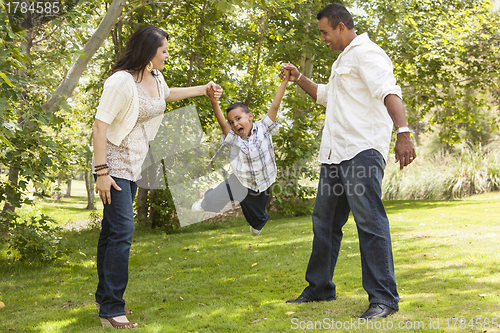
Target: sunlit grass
218 278
69 209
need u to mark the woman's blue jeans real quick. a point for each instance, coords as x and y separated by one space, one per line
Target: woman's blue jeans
354 185
113 249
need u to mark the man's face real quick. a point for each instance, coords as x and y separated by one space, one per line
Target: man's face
240 122
330 36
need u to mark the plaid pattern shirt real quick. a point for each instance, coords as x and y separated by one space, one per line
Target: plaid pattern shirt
252 158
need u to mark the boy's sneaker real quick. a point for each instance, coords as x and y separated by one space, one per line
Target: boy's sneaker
196 207
254 232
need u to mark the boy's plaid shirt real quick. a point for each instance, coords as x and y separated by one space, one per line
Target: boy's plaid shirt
252 158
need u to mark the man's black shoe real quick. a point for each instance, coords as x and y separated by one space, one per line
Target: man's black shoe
306 299
302 299
377 310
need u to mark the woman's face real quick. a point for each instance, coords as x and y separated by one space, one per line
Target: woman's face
161 55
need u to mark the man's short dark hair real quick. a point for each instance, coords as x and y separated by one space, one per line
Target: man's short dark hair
237 105
336 13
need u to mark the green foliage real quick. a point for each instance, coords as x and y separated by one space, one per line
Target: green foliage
448 70
164 216
31 142
445 56
37 239
464 171
95 220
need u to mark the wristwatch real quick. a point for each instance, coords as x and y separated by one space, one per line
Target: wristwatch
402 130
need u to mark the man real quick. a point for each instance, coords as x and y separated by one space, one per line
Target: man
361 98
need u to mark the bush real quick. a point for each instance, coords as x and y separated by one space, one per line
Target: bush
164 216
95 220
465 171
36 239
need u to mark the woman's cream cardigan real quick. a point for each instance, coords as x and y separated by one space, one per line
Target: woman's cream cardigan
119 106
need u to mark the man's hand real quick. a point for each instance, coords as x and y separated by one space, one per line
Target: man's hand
294 72
217 89
404 150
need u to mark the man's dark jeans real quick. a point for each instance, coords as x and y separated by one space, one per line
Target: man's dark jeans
354 185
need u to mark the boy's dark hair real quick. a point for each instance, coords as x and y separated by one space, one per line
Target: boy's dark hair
237 105
336 13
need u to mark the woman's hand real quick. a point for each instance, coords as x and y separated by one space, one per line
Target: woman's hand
213 93
217 89
103 188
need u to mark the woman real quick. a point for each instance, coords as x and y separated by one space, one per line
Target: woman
129 114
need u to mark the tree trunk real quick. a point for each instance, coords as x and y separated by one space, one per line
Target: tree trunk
68 188
142 206
11 195
152 212
70 82
264 20
89 186
194 54
89 181
58 190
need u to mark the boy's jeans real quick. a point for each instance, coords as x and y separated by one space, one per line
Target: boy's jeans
253 204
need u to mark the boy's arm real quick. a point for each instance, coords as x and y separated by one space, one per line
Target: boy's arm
273 110
218 112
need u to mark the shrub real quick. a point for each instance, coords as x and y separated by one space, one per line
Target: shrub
467 170
36 239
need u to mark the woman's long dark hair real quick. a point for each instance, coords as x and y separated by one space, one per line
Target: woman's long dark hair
141 48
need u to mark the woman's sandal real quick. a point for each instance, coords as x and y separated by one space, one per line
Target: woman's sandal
111 322
127 311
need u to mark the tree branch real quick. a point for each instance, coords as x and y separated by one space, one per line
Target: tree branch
45 37
69 84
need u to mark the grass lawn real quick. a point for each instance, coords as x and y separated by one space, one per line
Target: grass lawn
218 278
69 212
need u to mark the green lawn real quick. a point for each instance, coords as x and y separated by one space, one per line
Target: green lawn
218 278
69 211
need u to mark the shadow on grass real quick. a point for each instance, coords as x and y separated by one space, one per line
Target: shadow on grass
396 206
216 277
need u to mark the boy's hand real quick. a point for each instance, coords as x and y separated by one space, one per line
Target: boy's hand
294 72
285 74
214 92
217 90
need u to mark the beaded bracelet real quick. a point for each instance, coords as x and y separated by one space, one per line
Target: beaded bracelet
102 174
101 168
98 166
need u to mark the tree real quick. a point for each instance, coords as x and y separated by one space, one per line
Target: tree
29 145
442 52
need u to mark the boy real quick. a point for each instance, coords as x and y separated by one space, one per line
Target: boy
252 161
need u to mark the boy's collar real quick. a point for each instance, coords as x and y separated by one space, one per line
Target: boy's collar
254 130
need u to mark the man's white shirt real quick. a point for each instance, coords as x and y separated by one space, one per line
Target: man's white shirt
356 117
